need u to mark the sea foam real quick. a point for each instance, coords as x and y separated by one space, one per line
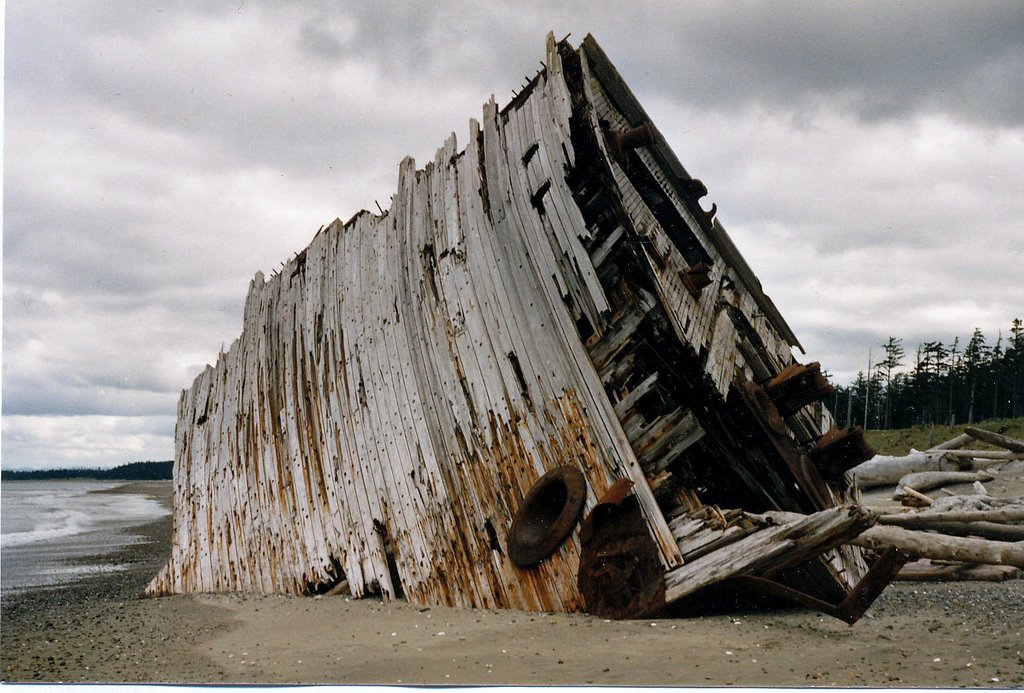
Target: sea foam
46 524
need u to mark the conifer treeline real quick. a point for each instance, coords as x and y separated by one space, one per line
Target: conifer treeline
132 471
937 383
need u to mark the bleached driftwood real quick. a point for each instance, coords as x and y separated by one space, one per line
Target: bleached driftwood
941 546
953 443
985 516
914 499
926 571
1008 515
881 470
1000 441
923 481
975 503
926 545
986 454
983 530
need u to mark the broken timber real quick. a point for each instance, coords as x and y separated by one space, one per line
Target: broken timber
551 303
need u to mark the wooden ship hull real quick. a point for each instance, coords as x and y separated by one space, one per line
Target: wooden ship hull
550 302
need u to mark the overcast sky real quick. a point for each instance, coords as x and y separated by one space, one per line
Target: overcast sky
867 159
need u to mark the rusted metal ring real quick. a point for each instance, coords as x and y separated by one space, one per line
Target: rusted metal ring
547 516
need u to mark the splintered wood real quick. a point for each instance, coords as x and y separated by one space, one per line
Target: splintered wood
552 293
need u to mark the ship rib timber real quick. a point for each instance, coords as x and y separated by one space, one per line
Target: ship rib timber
544 297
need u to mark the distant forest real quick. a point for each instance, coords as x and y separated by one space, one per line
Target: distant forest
133 471
937 383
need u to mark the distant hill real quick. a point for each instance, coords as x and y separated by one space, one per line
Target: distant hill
133 471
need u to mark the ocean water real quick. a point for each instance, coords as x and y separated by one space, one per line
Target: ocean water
49 530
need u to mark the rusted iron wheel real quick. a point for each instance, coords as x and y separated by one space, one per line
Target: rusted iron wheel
549 513
620 574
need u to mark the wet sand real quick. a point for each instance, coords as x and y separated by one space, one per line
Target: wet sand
103 630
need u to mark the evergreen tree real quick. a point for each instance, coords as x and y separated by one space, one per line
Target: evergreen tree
975 355
893 359
995 367
859 390
1015 366
946 384
953 377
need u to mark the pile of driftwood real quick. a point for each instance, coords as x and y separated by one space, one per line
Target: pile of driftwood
957 536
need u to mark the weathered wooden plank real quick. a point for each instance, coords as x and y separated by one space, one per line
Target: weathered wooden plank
769 550
684 432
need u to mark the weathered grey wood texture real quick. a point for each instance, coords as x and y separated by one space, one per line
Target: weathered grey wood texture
401 383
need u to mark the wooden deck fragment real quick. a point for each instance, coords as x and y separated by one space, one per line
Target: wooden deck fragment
770 550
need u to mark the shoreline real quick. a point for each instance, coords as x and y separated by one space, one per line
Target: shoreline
103 630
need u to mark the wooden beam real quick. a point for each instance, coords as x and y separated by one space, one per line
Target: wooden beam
807 476
770 550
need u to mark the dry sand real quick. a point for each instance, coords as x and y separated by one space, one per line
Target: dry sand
103 630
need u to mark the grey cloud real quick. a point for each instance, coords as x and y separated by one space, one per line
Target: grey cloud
260 101
320 41
158 155
85 441
878 60
56 397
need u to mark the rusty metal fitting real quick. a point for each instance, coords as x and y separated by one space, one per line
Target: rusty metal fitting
549 513
696 278
640 136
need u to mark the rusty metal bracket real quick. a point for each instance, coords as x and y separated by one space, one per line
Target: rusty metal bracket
839 450
857 601
697 277
625 142
774 426
798 385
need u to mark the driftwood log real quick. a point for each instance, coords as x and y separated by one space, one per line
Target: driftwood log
984 530
926 571
1006 514
986 454
1000 441
914 499
943 547
882 470
926 545
923 481
973 503
954 443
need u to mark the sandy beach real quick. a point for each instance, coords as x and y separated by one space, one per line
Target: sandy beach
103 630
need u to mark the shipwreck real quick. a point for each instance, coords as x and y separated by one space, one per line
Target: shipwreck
543 379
